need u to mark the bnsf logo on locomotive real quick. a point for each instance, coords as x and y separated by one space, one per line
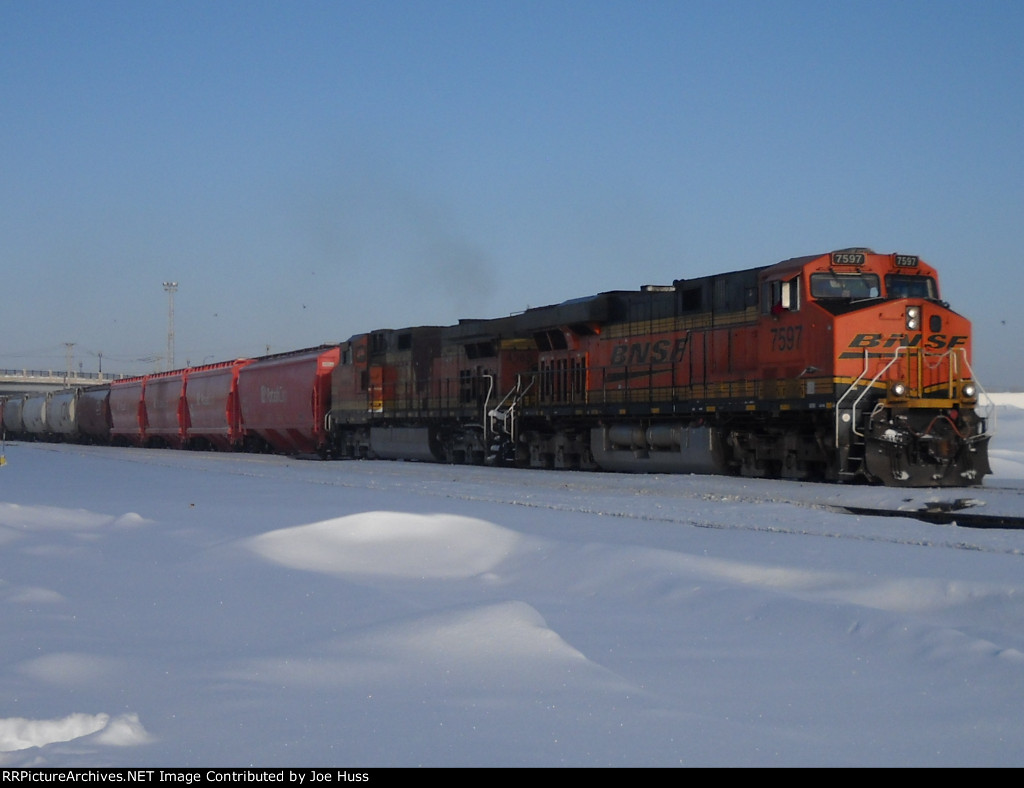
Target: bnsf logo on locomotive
649 352
933 342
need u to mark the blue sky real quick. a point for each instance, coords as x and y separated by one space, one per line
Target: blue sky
309 170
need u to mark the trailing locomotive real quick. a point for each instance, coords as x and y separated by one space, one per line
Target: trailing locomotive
843 366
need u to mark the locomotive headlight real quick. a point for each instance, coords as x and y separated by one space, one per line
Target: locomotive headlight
898 389
969 391
913 318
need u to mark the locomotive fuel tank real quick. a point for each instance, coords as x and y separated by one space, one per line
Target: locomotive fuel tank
664 448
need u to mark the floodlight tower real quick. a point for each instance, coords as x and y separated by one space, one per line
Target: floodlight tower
171 288
67 366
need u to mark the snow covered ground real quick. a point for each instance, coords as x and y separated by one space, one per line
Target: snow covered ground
163 608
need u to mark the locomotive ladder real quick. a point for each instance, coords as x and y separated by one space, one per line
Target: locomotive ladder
502 419
848 414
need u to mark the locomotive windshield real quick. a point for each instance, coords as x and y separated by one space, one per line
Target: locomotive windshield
848 287
903 286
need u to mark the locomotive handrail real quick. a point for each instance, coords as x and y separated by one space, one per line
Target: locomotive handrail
505 398
990 406
853 409
956 357
483 416
874 380
516 394
861 377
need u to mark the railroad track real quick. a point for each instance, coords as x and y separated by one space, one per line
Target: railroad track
945 513
963 512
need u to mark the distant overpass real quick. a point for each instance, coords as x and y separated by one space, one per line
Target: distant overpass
27 381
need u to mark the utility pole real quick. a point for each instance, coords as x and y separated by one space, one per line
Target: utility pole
171 288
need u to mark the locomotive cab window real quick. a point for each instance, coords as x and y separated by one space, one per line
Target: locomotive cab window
903 286
848 287
781 296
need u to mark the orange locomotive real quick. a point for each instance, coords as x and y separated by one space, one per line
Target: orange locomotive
841 366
